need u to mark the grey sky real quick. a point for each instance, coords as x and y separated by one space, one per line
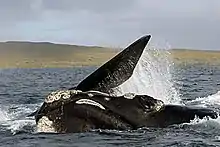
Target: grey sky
179 23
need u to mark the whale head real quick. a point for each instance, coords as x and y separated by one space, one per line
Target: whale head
77 111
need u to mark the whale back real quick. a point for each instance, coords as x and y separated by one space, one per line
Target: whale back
117 70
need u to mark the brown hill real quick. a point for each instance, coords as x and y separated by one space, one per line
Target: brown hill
29 54
36 55
196 56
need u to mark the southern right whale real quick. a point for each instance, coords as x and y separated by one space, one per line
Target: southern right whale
90 105
77 111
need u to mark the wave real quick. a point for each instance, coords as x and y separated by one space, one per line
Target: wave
209 101
205 123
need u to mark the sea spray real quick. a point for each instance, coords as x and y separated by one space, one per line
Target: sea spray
3 115
152 76
209 101
13 118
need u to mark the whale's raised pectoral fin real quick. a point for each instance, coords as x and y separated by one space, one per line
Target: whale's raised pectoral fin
117 70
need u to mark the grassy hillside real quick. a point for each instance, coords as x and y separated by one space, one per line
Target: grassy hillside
27 54
195 56
37 55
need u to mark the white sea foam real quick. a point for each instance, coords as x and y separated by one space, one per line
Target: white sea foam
14 119
20 125
3 115
205 122
207 102
213 100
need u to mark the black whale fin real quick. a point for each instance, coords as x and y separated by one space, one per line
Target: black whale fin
117 70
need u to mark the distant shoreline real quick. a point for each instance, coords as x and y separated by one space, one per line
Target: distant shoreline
46 55
99 58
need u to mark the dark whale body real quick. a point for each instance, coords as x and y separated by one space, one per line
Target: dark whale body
89 105
84 111
117 70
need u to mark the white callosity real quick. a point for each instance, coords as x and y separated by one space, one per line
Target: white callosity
107 99
90 102
57 95
90 95
159 105
75 91
45 125
97 93
66 94
62 94
129 95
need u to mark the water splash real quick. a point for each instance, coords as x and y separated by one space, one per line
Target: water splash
205 123
152 76
13 118
3 115
17 126
211 100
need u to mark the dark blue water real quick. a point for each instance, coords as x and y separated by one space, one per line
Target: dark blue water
23 90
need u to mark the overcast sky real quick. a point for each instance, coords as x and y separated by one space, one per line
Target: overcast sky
114 23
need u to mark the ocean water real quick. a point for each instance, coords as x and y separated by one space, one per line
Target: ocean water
22 91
